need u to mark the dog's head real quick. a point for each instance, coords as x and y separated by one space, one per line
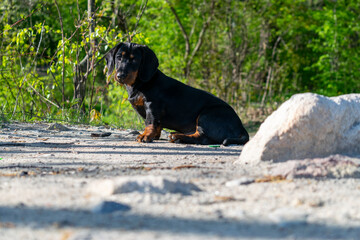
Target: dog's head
131 62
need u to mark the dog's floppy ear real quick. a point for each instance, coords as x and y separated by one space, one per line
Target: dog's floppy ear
149 64
110 59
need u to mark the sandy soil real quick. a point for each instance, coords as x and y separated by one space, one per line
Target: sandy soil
45 177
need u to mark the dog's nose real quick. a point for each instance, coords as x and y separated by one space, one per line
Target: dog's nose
121 75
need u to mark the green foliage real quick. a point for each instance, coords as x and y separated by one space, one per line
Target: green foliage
253 53
337 27
119 112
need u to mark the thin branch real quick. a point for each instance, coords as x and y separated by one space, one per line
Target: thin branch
189 55
138 17
23 19
63 55
67 40
102 58
202 34
142 10
41 96
89 54
8 84
270 72
93 75
183 31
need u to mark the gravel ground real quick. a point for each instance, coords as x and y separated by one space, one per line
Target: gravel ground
52 187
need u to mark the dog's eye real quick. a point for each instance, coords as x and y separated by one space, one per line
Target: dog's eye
132 57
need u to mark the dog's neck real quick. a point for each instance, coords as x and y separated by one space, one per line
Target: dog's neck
132 91
139 86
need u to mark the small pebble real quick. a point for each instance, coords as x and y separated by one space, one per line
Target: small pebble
133 133
240 181
105 207
23 173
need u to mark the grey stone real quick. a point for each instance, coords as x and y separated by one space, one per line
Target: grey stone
100 134
105 207
133 132
153 184
165 135
57 127
335 166
307 126
142 184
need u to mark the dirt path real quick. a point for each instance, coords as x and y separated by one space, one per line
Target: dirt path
51 188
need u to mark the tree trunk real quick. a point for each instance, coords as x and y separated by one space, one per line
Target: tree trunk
80 72
79 88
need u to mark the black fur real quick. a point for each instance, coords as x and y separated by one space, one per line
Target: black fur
198 117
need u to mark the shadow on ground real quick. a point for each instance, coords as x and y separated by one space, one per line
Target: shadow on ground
39 218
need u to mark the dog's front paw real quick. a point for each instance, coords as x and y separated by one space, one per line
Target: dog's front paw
144 138
150 133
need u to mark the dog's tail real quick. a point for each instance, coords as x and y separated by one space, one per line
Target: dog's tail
240 141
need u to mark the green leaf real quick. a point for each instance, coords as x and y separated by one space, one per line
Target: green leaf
7 27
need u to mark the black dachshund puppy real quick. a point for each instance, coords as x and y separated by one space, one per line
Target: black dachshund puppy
198 117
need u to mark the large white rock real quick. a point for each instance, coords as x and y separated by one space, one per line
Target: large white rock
307 126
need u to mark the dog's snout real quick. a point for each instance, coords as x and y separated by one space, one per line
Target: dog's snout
121 75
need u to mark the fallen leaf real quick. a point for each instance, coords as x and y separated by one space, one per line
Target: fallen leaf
8 174
7 225
184 166
95 115
42 139
56 172
141 168
18 174
269 178
65 235
87 196
224 198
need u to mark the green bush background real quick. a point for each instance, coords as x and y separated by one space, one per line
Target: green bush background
253 54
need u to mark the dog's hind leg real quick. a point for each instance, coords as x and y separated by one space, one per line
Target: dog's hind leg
216 125
221 125
195 138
